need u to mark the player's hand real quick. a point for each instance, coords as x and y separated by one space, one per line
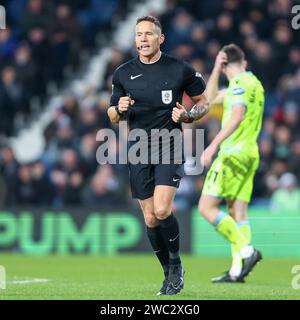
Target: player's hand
178 112
207 156
221 59
125 103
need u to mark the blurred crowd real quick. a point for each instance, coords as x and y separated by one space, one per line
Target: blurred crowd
68 173
42 38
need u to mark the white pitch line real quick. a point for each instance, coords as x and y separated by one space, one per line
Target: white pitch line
27 281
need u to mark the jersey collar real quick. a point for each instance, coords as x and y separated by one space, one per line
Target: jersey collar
160 55
240 74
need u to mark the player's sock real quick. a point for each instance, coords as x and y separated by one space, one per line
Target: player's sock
237 262
245 229
159 247
170 231
248 250
228 228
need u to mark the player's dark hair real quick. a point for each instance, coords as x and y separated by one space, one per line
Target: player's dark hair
234 53
149 19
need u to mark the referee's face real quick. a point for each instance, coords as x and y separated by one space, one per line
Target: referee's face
148 38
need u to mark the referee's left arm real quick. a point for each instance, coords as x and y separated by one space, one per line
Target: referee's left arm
199 110
194 85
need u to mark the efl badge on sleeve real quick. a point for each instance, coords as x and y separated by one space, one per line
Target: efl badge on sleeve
166 96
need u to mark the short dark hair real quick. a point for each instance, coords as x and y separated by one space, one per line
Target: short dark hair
234 53
150 19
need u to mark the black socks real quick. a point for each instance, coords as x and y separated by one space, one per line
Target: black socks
170 232
164 240
159 247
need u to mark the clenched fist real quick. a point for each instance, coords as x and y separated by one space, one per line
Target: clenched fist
178 113
124 103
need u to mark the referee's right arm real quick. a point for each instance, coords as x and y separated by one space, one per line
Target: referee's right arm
113 115
116 113
119 101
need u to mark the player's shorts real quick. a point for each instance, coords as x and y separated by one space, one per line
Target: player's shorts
144 178
231 176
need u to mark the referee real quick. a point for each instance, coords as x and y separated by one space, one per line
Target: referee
147 92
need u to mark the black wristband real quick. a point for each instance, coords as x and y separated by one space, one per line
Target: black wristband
120 114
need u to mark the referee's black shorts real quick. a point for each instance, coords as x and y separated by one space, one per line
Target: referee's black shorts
144 178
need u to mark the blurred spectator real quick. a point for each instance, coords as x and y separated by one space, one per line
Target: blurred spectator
39 44
27 193
293 61
287 198
180 30
26 70
266 157
88 121
282 41
224 29
247 31
71 109
271 179
67 178
279 9
293 94
37 15
101 188
117 58
42 183
12 99
295 157
184 51
8 45
257 16
98 16
199 39
87 151
33 185
63 139
282 143
262 64
291 117
64 37
9 172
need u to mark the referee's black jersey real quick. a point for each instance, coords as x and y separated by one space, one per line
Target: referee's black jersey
155 87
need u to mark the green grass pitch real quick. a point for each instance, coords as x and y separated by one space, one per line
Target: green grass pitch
137 277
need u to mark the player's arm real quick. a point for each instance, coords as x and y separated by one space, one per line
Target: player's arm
214 95
236 118
219 99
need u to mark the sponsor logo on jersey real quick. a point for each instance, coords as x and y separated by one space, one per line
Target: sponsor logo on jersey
238 91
